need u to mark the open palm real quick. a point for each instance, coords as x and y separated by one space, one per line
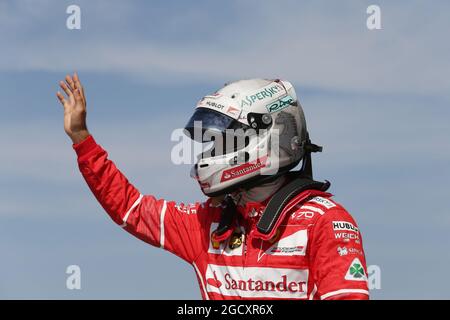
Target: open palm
74 108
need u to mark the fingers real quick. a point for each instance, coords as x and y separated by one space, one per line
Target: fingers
66 89
61 98
76 79
77 95
70 82
73 88
79 86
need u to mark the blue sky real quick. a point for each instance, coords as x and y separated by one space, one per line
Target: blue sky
378 101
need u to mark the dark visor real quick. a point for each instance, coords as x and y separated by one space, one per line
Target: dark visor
208 119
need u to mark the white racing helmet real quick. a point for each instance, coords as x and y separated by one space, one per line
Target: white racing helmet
258 132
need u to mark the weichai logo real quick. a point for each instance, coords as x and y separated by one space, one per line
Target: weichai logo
256 282
344 235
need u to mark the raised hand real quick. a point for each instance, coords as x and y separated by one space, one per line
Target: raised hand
74 108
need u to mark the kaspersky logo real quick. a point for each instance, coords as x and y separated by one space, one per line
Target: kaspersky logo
256 282
268 92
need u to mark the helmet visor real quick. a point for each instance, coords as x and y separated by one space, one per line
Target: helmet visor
207 120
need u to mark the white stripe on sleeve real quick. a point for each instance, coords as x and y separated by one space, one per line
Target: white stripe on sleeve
161 226
135 204
342 291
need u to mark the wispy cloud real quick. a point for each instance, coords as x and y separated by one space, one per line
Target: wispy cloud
317 46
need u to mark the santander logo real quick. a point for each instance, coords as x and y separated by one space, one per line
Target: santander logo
254 282
214 281
243 169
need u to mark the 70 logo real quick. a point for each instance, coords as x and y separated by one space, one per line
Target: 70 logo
302 215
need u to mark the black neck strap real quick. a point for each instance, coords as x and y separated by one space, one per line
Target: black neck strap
282 197
275 205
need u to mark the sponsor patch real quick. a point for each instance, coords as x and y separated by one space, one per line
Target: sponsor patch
344 226
187 209
356 271
300 215
214 105
324 202
235 112
343 251
272 91
243 169
345 235
280 104
292 245
257 282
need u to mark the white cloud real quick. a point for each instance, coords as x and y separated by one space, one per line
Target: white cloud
313 45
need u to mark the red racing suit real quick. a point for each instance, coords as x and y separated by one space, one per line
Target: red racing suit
315 252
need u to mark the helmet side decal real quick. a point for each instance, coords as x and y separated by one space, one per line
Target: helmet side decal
272 91
244 169
280 104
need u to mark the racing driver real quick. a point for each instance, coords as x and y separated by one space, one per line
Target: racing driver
267 229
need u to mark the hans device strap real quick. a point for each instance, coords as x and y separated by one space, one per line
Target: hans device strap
275 206
282 197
